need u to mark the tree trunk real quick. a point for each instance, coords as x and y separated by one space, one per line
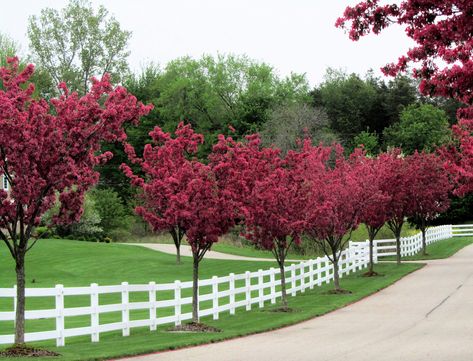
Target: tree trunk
283 286
424 241
371 256
176 237
398 248
195 289
336 276
178 254
20 298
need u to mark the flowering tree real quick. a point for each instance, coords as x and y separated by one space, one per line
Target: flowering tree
430 188
270 191
165 163
397 184
374 201
442 59
334 209
182 193
441 30
49 152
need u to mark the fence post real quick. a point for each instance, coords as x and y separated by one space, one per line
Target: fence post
327 270
302 273
375 251
272 281
94 316
152 306
247 290
60 315
311 274
293 279
232 293
215 297
319 271
177 305
125 310
260 288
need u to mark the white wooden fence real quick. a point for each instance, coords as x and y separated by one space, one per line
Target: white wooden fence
169 303
165 303
413 244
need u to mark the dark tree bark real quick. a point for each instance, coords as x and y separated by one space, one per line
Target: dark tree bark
424 241
20 296
396 228
177 234
336 275
195 288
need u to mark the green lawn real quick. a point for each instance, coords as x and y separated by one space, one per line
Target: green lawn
77 263
442 249
248 251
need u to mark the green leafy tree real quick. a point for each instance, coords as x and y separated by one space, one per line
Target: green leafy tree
289 123
77 43
421 127
110 209
369 141
144 87
212 93
348 101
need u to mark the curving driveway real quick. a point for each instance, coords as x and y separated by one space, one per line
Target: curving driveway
427 315
187 252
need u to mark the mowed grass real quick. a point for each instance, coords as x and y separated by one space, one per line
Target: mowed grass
442 249
77 263
74 263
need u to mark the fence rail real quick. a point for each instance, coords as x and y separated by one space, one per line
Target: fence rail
413 244
169 303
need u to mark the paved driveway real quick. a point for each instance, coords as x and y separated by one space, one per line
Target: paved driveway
428 315
187 252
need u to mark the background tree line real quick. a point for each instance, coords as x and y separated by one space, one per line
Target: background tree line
224 94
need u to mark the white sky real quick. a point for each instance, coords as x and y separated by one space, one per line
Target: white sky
291 35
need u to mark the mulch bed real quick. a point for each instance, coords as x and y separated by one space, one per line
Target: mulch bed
281 309
339 292
371 274
194 327
26 351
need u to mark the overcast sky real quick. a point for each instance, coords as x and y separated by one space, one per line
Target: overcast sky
291 35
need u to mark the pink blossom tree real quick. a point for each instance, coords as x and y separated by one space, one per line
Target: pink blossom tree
270 190
430 189
374 201
397 184
334 209
441 30
182 193
48 152
166 165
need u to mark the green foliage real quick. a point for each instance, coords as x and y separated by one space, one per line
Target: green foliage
355 104
213 93
348 101
89 226
110 209
421 127
78 43
369 141
288 123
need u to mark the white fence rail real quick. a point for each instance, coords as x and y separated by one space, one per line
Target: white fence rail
413 244
169 303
